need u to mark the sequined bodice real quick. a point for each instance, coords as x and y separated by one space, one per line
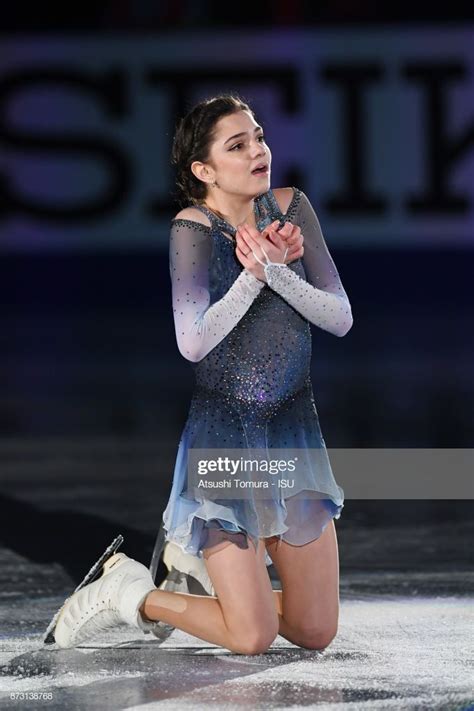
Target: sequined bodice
266 357
266 210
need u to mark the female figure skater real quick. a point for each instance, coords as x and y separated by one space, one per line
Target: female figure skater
245 292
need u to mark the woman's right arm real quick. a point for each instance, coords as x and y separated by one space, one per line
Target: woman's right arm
200 326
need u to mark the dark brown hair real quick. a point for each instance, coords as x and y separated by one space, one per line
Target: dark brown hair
192 141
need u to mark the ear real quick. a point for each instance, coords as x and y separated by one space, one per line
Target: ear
201 171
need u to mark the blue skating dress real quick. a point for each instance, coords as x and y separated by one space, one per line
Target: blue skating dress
249 343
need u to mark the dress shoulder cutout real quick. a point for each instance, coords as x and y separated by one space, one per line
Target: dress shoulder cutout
193 214
284 197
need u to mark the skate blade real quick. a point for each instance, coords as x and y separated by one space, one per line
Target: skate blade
93 573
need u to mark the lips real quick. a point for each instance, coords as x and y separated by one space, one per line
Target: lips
261 168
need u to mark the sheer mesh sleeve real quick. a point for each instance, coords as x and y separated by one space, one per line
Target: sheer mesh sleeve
321 299
200 325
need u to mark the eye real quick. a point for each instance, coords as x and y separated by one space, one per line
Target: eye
260 138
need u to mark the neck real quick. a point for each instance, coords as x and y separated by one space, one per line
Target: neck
233 210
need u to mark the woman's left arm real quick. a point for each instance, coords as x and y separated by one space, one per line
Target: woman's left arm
322 299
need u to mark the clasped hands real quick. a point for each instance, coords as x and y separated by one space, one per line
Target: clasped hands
254 249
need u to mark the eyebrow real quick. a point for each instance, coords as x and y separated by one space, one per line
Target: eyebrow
243 133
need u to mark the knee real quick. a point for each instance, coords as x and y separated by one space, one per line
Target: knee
256 642
319 638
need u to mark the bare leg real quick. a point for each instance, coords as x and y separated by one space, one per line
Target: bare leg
308 605
242 617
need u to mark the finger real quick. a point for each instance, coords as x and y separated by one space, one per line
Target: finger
271 238
250 235
295 230
243 251
295 254
276 239
296 246
286 230
244 237
284 233
242 257
296 238
251 230
242 246
245 233
266 229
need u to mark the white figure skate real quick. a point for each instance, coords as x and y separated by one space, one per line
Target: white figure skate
189 568
114 599
187 574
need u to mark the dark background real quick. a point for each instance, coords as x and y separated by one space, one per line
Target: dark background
93 390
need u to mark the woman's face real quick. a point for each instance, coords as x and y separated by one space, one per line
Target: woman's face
238 148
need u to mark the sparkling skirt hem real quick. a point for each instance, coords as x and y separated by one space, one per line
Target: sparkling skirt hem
304 518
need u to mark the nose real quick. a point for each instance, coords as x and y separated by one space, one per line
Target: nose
258 149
